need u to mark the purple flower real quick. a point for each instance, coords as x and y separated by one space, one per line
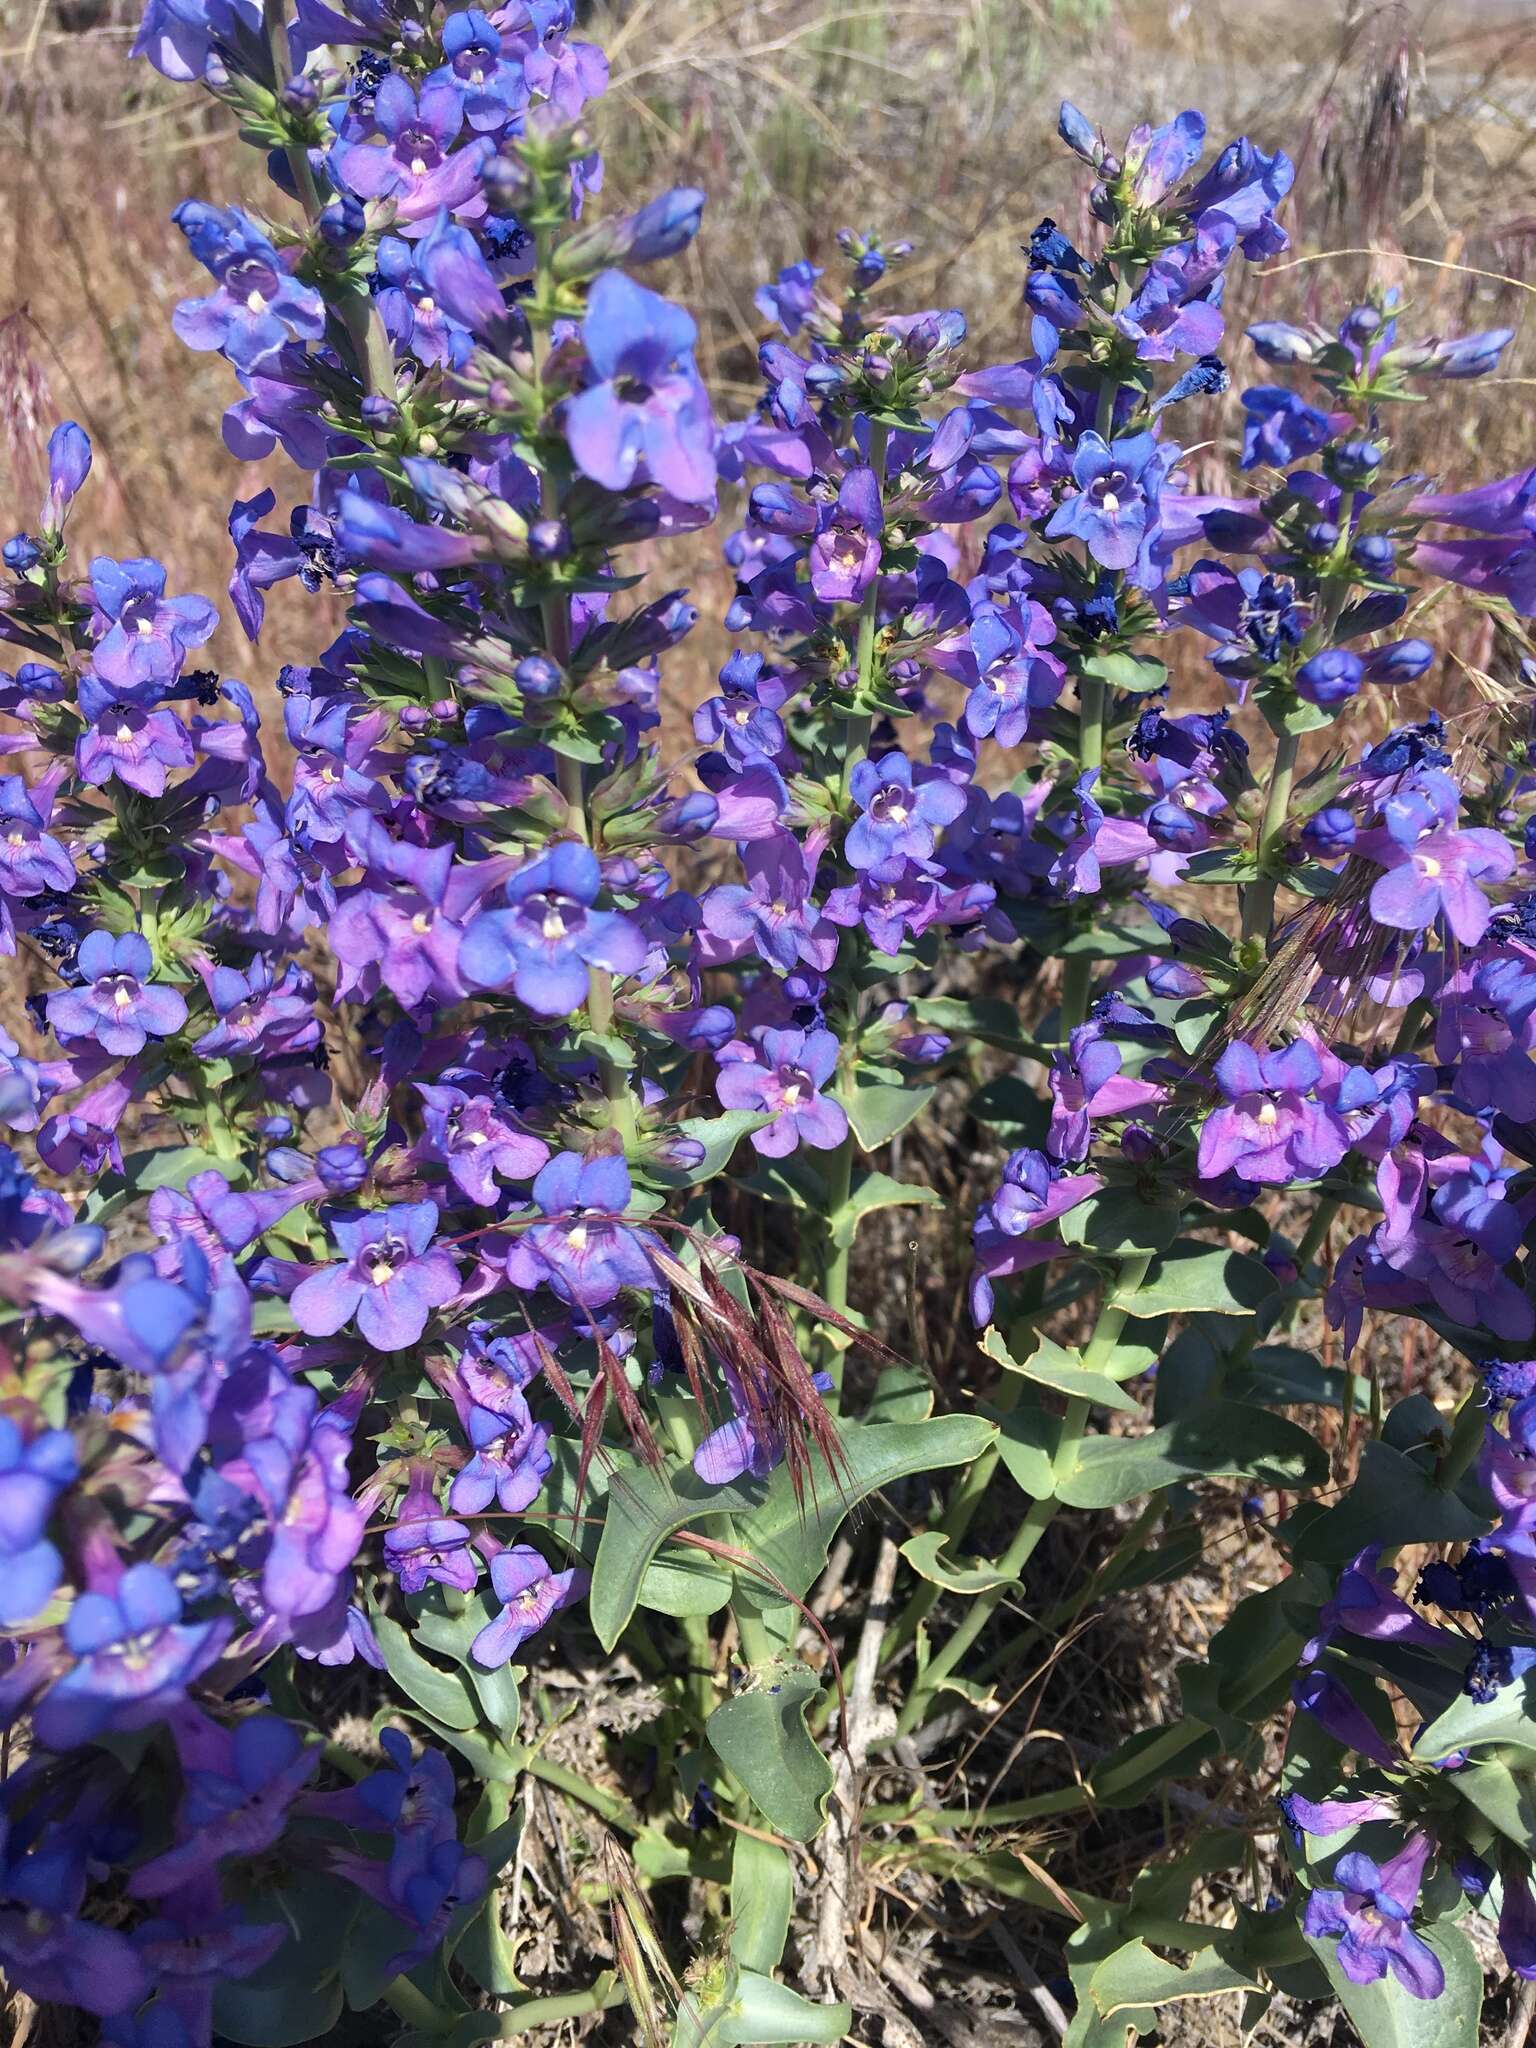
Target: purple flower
136 746
749 1443
32 1476
549 935
530 1595
1115 503
259 1018
1336 1712
476 1143
899 817
1281 427
390 1280
1371 1912
239 1785
143 636
49 1951
782 1076
845 555
510 1461
584 1249
187 40
1435 873
1517 1923
1330 678
114 1005
1271 1129
648 410
773 910
425 1548
418 169
133 1659
490 84
69 464
31 861
258 303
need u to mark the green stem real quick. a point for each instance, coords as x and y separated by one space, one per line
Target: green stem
835 1257
616 1811
1077 972
603 1996
415 2006
1111 1322
1317 1230
860 723
1259 896
351 303
1066 1799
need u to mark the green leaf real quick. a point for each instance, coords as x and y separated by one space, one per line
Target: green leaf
1508 1717
903 1393
166 1166
1386 2016
762 1899
1136 673
878 1113
793 1536
296 1995
719 1135
1393 1500
1222 1438
924 1554
1118 1220
1193 1276
789 1536
1026 1444
981 1017
1134 1976
760 1734
1009 1106
442 1694
764 2012
1053 1365
879 1191
1113 938
1507 1802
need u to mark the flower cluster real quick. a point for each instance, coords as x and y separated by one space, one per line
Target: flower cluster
371 1240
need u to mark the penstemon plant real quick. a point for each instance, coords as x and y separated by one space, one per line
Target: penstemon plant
410 1071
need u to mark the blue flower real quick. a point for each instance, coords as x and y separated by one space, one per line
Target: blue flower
647 414
584 1250
115 1004
899 818
1280 427
32 1476
1370 1912
145 637
1116 498
258 305
549 935
491 86
134 1658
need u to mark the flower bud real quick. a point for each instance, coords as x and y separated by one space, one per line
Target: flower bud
1330 678
1401 662
1276 341
1329 833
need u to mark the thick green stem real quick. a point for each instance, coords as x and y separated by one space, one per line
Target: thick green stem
861 721
1259 896
606 1993
416 2007
616 1811
835 1256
